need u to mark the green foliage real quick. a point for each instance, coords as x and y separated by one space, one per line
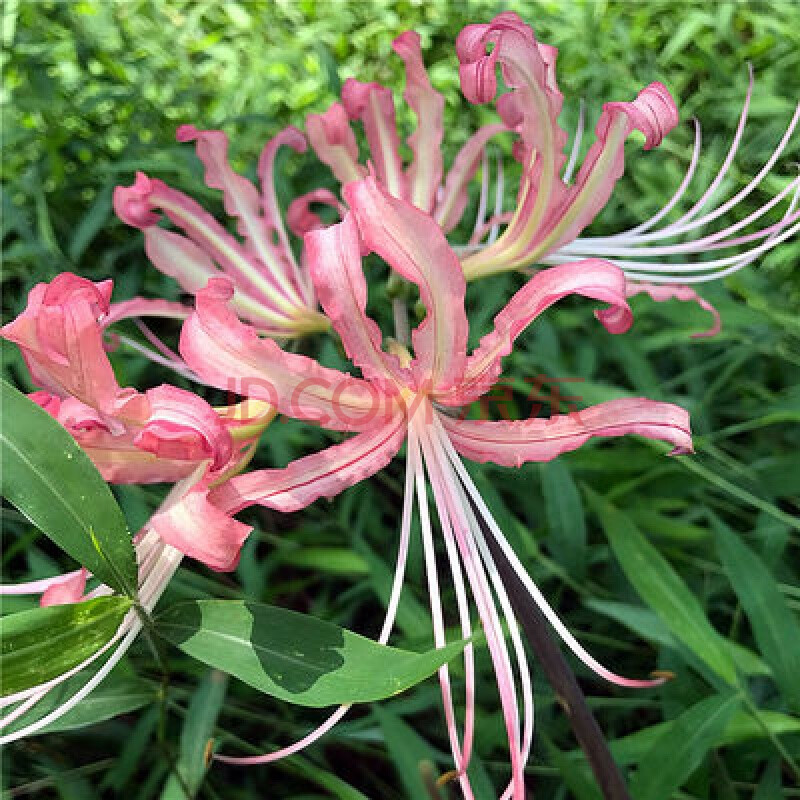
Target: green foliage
93 90
47 476
295 657
39 644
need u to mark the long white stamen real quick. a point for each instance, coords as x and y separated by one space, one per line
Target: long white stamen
443 482
513 628
498 202
386 629
437 617
675 199
157 358
530 586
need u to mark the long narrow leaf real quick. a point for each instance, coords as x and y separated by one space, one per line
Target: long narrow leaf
776 630
47 476
663 590
681 748
42 643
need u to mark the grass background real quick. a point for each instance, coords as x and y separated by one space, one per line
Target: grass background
94 90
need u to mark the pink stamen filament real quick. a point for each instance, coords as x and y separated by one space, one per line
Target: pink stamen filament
531 587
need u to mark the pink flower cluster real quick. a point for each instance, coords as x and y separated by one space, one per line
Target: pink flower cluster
250 292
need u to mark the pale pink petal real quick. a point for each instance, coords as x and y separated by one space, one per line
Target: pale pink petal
425 172
334 142
68 590
123 453
302 219
334 259
244 266
61 339
373 105
230 355
511 444
201 530
289 137
132 203
322 474
593 278
453 200
534 103
414 246
655 114
661 292
182 426
263 233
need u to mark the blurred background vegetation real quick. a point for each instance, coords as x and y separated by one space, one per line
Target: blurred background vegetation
94 90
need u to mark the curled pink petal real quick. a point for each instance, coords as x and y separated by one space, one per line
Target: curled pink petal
68 590
414 246
334 259
425 172
511 444
548 214
132 203
661 292
373 105
655 114
60 334
230 355
593 278
183 427
202 530
322 474
302 219
334 143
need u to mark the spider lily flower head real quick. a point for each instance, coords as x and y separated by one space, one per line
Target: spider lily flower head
423 182
411 398
552 208
157 563
272 290
641 251
163 435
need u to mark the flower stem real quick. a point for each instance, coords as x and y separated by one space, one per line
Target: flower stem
561 678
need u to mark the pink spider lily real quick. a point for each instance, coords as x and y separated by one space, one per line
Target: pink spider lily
552 207
164 435
272 290
413 400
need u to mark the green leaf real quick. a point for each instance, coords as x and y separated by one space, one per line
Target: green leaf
566 520
407 749
334 560
43 643
112 698
198 729
743 726
687 739
648 625
293 656
774 627
117 694
663 590
47 476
